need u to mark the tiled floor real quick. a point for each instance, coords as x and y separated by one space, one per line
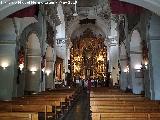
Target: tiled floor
81 110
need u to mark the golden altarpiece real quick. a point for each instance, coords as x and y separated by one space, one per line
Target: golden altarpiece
89 56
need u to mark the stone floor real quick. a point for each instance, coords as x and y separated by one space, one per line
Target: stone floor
81 110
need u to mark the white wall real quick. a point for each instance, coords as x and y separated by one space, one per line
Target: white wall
7 55
7 31
61 28
154 61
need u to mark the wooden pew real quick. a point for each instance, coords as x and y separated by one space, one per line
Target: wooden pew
132 99
44 111
109 104
31 106
122 102
46 102
18 116
124 108
114 95
25 108
126 116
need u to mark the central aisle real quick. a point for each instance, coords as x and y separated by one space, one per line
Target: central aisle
80 111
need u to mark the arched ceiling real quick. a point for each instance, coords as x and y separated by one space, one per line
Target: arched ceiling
100 25
7 8
95 9
152 5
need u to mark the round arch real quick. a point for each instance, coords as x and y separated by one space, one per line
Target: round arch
136 50
136 60
152 5
33 63
33 51
100 23
7 8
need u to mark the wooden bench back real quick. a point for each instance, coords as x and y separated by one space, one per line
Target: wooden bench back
126 116
18 116
26 108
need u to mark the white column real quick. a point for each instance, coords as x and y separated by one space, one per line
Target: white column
33 64
33 70
124 75
154 57
136 73
49 72
113 59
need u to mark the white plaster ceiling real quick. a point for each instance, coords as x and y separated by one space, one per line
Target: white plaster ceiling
75 27
152 5
6 8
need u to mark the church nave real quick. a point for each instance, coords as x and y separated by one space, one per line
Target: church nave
79 59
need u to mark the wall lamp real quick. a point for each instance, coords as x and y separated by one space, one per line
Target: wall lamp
33 70
4 65
138 67
43 69
146 64
48 72
126 70
21 66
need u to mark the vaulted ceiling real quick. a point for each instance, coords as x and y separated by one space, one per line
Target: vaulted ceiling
7 9
152 5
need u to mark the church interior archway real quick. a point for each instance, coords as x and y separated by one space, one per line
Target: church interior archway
136 61
32 63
